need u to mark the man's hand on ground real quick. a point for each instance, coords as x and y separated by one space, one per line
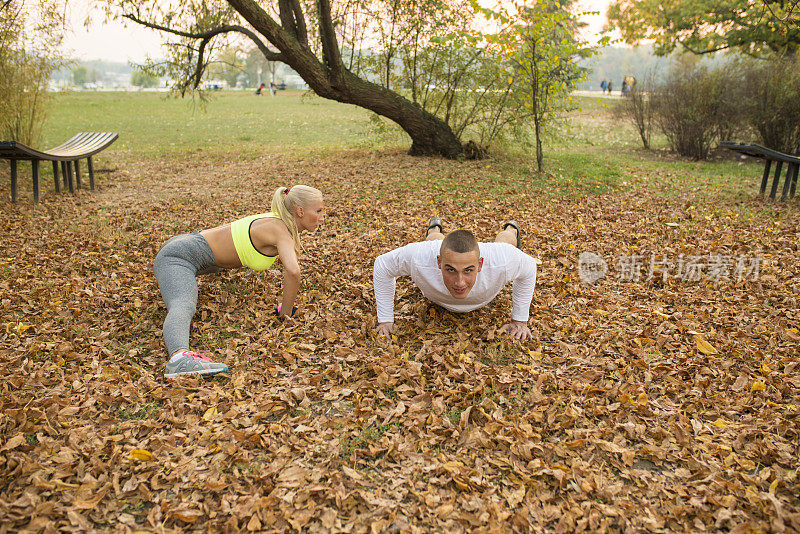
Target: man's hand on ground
518 329
386 329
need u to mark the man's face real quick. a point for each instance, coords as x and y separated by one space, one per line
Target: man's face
459 271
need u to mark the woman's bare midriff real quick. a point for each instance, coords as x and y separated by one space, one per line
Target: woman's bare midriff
221 242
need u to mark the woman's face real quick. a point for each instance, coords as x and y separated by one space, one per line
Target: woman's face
311 216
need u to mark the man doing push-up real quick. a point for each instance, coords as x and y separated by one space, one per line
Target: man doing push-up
459 274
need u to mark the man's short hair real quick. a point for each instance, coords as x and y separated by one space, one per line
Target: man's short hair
460 241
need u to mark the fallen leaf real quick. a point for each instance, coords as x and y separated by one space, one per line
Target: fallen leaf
705 347
142 455
13 443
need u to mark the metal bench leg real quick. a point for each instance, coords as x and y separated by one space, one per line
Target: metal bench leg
13 180
35 168
64 179
70 177
793 180
788 182
77 174
56 183
91 172
775 180
767 165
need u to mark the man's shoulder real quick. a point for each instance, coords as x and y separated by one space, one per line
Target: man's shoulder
416 251
500 253
421 248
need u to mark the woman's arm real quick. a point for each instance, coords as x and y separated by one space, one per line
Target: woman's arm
291 274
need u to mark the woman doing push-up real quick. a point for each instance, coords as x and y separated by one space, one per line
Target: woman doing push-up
255 242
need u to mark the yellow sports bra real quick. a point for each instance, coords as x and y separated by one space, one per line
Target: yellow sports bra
247 252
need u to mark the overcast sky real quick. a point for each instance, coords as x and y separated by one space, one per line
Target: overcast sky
114 42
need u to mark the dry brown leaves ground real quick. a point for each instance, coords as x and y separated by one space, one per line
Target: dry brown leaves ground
639 406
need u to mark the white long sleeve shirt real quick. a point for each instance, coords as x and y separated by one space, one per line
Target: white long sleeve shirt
502 263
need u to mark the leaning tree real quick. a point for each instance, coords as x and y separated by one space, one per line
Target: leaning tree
301 34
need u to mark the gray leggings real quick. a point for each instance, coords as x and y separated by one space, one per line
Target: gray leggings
177 265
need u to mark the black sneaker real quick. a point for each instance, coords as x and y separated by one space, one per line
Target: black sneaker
515 226
434 222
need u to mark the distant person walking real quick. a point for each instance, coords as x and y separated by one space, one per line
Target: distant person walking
604 86
272 88
610 84
260 89
631 83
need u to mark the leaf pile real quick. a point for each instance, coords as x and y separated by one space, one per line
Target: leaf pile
640 405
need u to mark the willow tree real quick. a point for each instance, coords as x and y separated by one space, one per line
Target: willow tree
30 34
308 37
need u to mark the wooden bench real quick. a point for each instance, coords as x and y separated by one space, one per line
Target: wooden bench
770 156
82 146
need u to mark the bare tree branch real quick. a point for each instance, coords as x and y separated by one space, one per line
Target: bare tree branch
293 20
789 11
201 66
286 14
300 20
208 35
701 52
330 47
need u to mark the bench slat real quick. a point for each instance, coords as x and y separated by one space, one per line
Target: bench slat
758 151
80 142
80 146
768 155
76 143
84 146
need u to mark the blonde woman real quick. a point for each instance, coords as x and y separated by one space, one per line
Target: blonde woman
254 242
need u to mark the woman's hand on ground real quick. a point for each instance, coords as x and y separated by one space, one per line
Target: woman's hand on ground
279 312
518 329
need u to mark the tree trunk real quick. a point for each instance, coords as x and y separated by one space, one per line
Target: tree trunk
539 153
430 136
330 79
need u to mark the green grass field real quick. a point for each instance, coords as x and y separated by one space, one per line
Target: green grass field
592 152
153 123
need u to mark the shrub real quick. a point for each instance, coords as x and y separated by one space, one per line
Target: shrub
140 78
637 108
729 120
29 38
23 80
770 98
692 108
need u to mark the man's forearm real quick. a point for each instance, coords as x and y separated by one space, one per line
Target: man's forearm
522 292
521 304
384 286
